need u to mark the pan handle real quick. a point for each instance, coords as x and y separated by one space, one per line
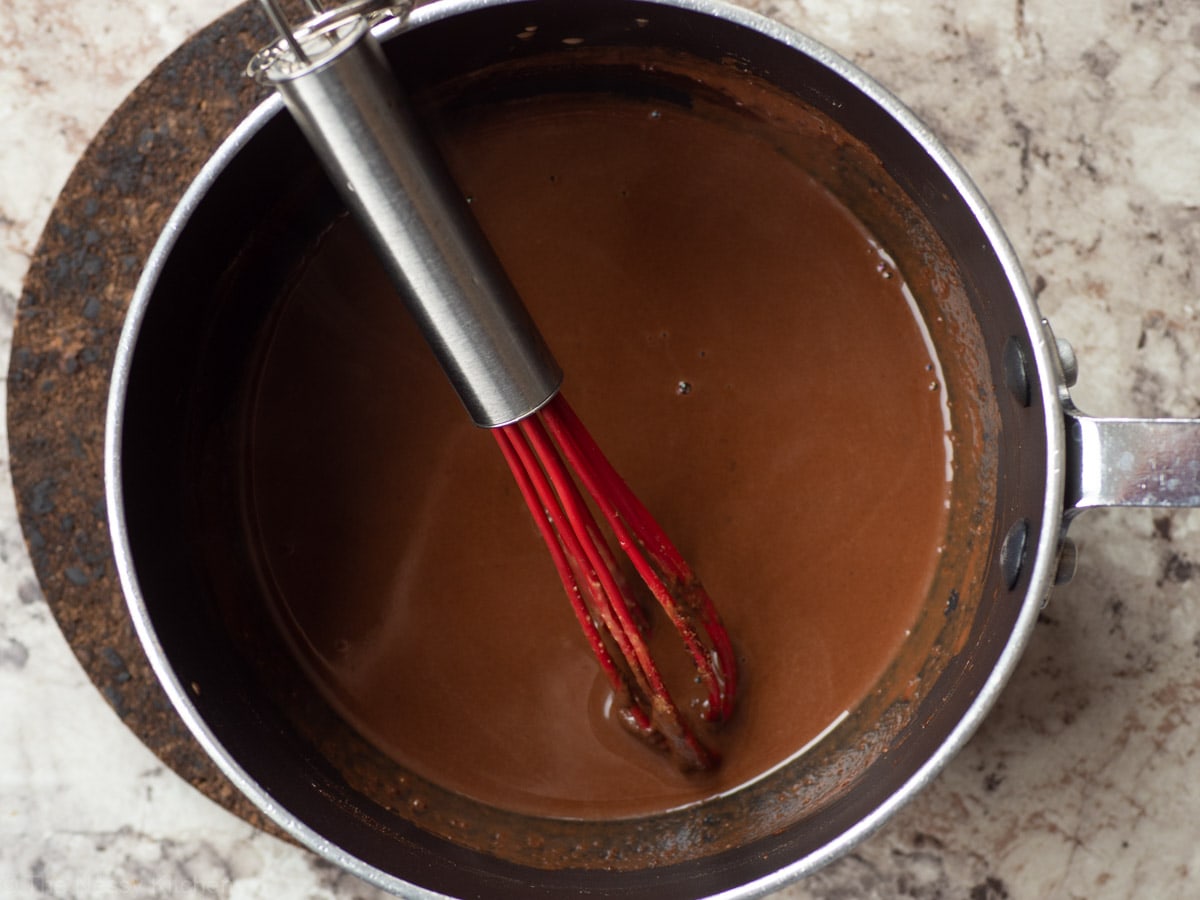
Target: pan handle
1131 462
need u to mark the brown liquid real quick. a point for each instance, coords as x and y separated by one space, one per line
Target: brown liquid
745 355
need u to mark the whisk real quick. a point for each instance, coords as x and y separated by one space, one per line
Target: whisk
333 77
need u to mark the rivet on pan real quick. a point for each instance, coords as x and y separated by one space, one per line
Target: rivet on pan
1068 361
1012 552
1016 371
1068 557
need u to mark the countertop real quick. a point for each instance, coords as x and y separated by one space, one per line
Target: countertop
1080 122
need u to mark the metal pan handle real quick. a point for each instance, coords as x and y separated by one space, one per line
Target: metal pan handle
1131 462
1150 463
1147 463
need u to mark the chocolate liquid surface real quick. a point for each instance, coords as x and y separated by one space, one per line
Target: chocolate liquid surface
745 355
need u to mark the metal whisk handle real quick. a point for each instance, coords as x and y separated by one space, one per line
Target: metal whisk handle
332 75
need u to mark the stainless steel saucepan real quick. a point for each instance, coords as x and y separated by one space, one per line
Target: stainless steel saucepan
1027 461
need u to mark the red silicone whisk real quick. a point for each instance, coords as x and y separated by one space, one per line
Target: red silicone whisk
335 80
543 451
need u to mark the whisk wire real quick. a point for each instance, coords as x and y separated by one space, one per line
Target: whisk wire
536 491
656 559
543 450
572 537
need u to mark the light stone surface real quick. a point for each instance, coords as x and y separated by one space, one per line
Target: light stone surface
1080 122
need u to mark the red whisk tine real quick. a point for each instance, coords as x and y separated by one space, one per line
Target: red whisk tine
658 562
538 495
611 620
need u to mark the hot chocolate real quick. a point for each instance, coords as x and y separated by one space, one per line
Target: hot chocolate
747 356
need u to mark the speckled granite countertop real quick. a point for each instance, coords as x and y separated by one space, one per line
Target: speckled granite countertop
1080 121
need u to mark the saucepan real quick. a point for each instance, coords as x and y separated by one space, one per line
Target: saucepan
1026 461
